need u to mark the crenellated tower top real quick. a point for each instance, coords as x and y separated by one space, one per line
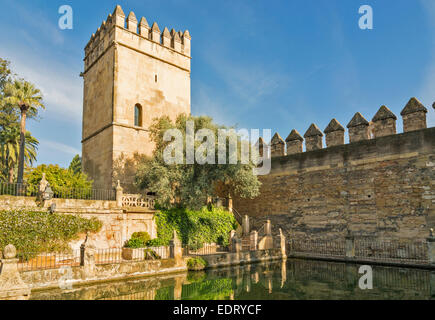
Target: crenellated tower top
175 42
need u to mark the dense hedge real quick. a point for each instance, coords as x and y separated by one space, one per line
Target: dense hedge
194 227
35 232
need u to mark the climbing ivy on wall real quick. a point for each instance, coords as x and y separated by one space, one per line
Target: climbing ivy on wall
194 227
33 232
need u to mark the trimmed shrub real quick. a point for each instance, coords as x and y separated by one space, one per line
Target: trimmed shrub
138 240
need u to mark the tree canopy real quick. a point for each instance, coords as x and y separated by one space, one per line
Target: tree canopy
190 185
76 165
13 93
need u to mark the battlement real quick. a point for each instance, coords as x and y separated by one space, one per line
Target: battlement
118 28
383 124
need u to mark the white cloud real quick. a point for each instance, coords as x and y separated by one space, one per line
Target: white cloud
249 82
61 88
59 147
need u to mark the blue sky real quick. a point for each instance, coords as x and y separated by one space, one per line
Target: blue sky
256 63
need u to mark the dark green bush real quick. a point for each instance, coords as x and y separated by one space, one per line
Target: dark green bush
35 232
194 227
138 240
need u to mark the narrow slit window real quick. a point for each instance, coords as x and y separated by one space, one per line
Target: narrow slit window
138 115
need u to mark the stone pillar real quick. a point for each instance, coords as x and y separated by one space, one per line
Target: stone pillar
358 128
350 247
87 258
12 287
233 233
384 122
334 134
254 240
230 204
277 146
313 138
294 142
176 250
236 245
414 116
245 225
119 195
268 228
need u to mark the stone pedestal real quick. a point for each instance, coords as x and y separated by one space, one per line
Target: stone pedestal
87 260
245 226
176 250
236 245
119 195
12 287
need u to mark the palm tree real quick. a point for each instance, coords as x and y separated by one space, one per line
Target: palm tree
28 99
9 146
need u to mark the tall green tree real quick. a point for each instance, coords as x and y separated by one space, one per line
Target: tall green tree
5 73
9 150
28 99
76 165
190 185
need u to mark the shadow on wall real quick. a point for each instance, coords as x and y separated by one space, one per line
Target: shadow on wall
124 170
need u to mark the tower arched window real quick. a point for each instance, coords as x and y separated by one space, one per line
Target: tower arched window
138 115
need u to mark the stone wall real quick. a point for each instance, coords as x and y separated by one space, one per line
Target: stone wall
53 278
382 187
118 223
244 257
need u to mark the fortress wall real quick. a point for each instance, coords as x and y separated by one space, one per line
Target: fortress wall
383 187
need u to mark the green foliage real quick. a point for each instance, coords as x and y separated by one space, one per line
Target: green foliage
5 73
138 240
62 181
194 227
9 151
76 165
192 184
196 264
17 98
217 289
33 232
21 92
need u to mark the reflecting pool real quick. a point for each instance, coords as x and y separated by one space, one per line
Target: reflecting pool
290 280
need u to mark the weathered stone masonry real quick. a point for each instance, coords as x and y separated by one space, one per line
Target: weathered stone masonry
382 187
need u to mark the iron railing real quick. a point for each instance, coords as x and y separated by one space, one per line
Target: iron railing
29 190
85 194
365 249
317 248
18 189
33 261
204 249
391 251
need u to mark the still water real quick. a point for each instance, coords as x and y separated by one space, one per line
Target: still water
291 280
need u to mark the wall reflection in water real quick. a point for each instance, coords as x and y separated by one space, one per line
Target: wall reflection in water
291 280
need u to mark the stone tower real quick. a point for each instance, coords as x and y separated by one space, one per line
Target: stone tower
133 73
